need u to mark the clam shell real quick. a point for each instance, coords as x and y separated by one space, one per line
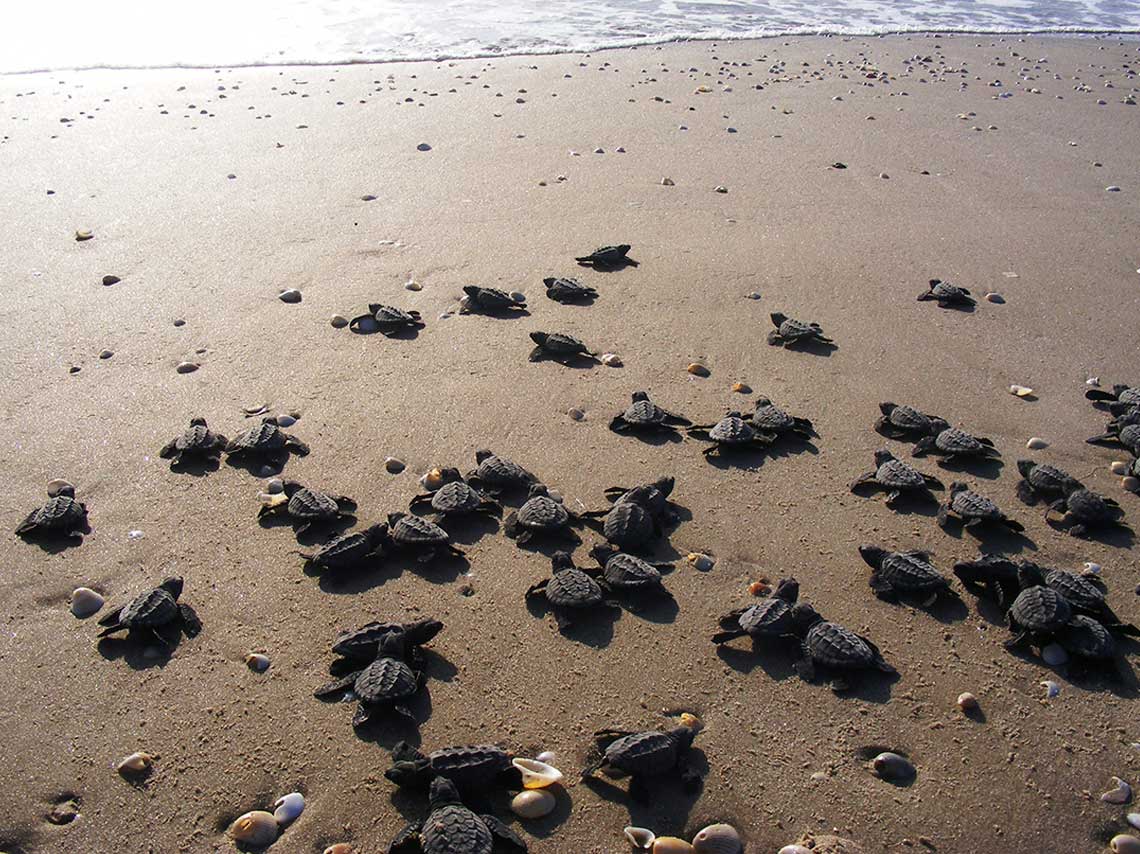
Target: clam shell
1052 689
532 803
1124 843
135 764
340 848
967 702
338 321
546 756
702 562
611 360
717 839
85 602
671 845
1091 568
741 388
794 849
256 828
1036 444
640 838
537 775
290 295
1020 390
186 367
288 807
257 662
1132 484
1121 794
698 370
1133 818
1118 467
892 766
393 465
432 480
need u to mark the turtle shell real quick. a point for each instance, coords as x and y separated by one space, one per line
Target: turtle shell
909 418
453 828
343 550
496 471
308 503
909 572
1040 609
566 289
643 753
366 640
1085 637
793 329
834 645
627 572
60 513
947 291
196 437
1086 505
385 679
1047 478
628 524
456 497
1130 436
1080 592
1129 397
153 608
558 342
490 297
643 412
771 419
647 495
573 588
416 530
899 475
469 765
542 513
732 430
771 616
389 315
955 441
969 504
265 436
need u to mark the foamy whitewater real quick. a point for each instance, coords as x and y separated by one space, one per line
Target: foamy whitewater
139 33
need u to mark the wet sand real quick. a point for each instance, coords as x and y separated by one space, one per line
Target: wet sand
1010 198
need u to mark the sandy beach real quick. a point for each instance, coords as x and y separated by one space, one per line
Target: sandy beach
980 160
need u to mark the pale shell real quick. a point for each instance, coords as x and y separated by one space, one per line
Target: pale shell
186 367
546 756
1036 444
257 662
1091 568
537 775
741 388
1124 843
667 182
611 360
702 562
288 807
794 849
1122 794
393 465
340 848
1020 390
717 839
640 838
85 602
256 828
518 296
1052 689
892 766
671 845
135 764
1133 818
413 285
967 702
533 803
1118 467
274 485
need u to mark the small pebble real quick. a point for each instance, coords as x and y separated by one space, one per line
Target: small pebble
85 602
423 146
884 175
110 280
338 321
611 360
742 388
698 370
257 662
368 197
83 234
1036 444
413 285
55 487
838 165
576 414
720 189
667 182
187 367
106 354
1054 655
995 298
291 295
967 702
393 465
703 562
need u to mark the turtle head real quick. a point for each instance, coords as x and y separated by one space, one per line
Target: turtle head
957 486
472 291
873 555
1025 467
788 589
449 475
537 489
539 338
1030 575
560 561
937 425
292 487
410 774
422 631
482 454
887 408
804 616
172 585
640 395
392 645
394 519
622 248
444 793
664 485
67 489
602 552
883 456
197 421
377 533
763 401
778 318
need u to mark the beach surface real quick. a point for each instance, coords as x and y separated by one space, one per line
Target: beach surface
208 192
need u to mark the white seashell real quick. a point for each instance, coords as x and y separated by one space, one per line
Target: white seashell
1091 568
187 367
892 766
1124 843
537 775
546 756
1112 188
1133 818
135 535
135 764
1054 655
1052 689
1118 467
290 295
393 465
55 487
667 182
83 234
285 420
1122 794
611 360
717 839
702 562
340 848
967 702
640 838
85 602
106 354
338 321
1036 444
1093 382
256 829
671 845
518 296
1020 390
794 849
413 285
1132 484
257 662
720 189
288 807
533 803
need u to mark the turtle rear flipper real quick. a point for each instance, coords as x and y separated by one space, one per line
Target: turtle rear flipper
731 620
774 337
296 446
881 587
511 526
346 681
407 841
111 628
1103 437
191 625
537 589
30 524
805 667
502 834
943 515
405 752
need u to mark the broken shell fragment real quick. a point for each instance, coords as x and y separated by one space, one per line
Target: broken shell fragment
576 414
1091 568
84 234
794 849
1120 794
135 764
759 588
702 562
611 360
741 388
257 662
640 838
186 367
288 807
892 766
671 845
967 702
1020 390
291 295
1118 467
1052 689
546 756
995 298
1124 843
85 602
393 465
532 803
717 839
698 370
256 829
537 775
1133 818
1036 444
666 182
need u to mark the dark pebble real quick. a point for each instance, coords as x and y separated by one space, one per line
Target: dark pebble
368 198
838 165
51 192
180 322
74 369
111 280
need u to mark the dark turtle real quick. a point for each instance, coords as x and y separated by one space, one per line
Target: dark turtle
490 300
731 433
953 444
769 418
389 320
1124 414
628 525
1038 611
654 497
768 618
386 683
568 590
622 571
948 295
540 515
903 573
973 509
642 756
348 550
151 611
896 477
644 415
568 290
61 516
195 442
451 828
266 441
1084 510
1121 394
1126 435
1086 597
365 642
790 332
1040 480
307 506
456 497
832 646
993 574
470 767
418 535
1084 637
608 256
559 347
494 474
900 420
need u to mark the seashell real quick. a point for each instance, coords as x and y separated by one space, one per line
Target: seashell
1036 444
1093 382
1054 655
1124 843
1052 689
433 480
720 189
546 756
55 487
257 662
671 845
413 285
85 602
1020 390
135 535
84 234
1118 467
1122 794
759 588
1133 818
995 298
135 764
338 321
794 849
753 295
111 280
576 414
1112 188
533 803
741 388
702 562
1132 484
178 321
256 829
967 702
892 766
640 838
518 296
255 408
1091 568
611 360
667 182
537 775
340 848
285 420
106 354
393 465
717 839
288 807
423 146
697 370
291 295
187 367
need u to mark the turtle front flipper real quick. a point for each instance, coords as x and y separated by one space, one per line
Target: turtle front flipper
502 834
191 625
618 424
30 523
1111 438
364 713
296 445
728 635
1026 493
1013 525
112 627
867 477
354 324
774 337
923 446
884 427
407 841
537 589
943 515
169 449
338 686
805 667
881 587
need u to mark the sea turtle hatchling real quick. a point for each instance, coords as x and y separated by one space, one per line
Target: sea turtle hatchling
347 550
1041 480
1084 638
902 421
896 477
306 506
770 617
731 433
568 290
1087 597
490 301
451 828
993 574
455 497
470 767
365 642
622 571
903 573
608 256
559 347
197 441
645 755
386 683
953 444
1121 394
1118 432
151 611
408 532
833 647
386 319
973 509
948 295
654 497
790 332
540 516
643 415
568 590
769 418
265 441
1084 510
60 516
1037 612
494 474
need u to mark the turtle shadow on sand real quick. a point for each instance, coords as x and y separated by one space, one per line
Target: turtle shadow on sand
387 729
438 668
403 333
652 607
471 528
196 466
775 656
57 543
987 468
656 437
1114 676
318 532
500 314
745 459
812 347
253 465
350 581
791 446
441 569
946 608
907 504
993 538
577 361
1119 536
140 654
593 627
667 804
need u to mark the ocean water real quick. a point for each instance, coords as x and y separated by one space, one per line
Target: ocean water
52 34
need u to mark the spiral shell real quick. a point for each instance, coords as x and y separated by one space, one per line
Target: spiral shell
256 828
717 839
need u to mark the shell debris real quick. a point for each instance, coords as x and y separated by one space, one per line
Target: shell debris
1091 568
1119 467
291 295
640 838
1020 390
432 480
892 767
338 321
1052 689
671 845
85 602
136 764
1120 794
393 465
967 702
1036 444
537 775
698 370
742 388
257 662
717 839
703 562
533 803
1124 843
288 808
256 829
611 360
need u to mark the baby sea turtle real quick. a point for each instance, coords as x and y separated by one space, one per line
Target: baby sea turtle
833 647
456 497
490 300
790 332
348 550
1084 510
899 421
1127 435
568 590
622 571
628 525
993 574
386 683
494 474
470 767
1083 637
654 497
540 515
151 611
608 256
451 828
973 509
568 290
388 319
1086 597
61 516
729 434
1122 394
365 642
896 477
903 573
307 506
948 295
195 442
644 415
558 346
768 618
953 444
1040 480
266 441
642 756
769 418
1038 611
418 535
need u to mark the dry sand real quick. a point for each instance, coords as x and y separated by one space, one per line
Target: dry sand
142 161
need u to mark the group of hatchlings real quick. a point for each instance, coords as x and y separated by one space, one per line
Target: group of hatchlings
381 663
